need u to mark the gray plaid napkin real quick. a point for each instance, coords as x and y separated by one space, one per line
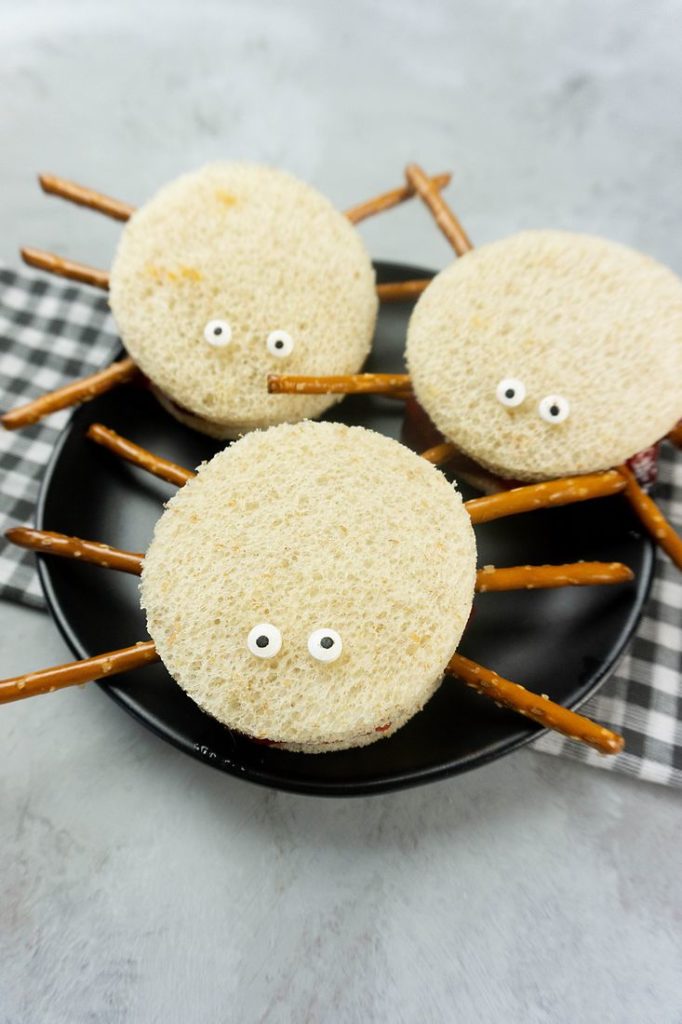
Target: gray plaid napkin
642 700
51 333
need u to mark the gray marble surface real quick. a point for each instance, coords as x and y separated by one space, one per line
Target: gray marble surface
138 885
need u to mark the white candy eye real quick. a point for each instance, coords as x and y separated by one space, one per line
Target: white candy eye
280 344
510 391
264 640
218 333
554 408
325 644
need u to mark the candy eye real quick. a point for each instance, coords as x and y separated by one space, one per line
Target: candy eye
264 640
510 391
218 333
280 344
554 408
325 644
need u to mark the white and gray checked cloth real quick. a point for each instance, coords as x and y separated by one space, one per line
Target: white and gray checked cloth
51 333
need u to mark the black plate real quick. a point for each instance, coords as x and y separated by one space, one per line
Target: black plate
562 642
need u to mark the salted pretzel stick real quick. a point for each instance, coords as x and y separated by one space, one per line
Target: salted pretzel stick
387 200
564 491
48 679
402 291
439 454
65 268
344 384
675 435
49 543
540 708
652 518
83 196
71 394
442 214
155 464
543 577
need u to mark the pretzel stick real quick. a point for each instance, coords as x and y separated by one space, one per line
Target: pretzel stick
540 708
564 491
402 291
71 394
675 435
652 518
442 214
83 196
393 198
345 384
48 679
49 543
154 464
543 577
65 268
440 453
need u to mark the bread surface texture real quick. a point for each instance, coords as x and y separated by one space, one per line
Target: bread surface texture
261 251
566 314
306 527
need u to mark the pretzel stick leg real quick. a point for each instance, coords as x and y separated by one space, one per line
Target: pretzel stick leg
564 491
345 384
48 679
539 708
138 456
652 518
83 196
442 214
65 268
440 453
387 200
402 291
71 394
48 543
543 577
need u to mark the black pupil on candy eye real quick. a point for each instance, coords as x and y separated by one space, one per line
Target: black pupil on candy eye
326 642
217 330
509 393
279 344
262 641
554 410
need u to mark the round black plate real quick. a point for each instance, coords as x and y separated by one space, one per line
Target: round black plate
560 642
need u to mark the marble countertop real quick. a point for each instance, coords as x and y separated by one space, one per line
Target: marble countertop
137 884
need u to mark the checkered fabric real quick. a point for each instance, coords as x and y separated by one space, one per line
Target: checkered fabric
642 700
51 333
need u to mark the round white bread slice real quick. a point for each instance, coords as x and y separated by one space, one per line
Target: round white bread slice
569 317
252 251
307 527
